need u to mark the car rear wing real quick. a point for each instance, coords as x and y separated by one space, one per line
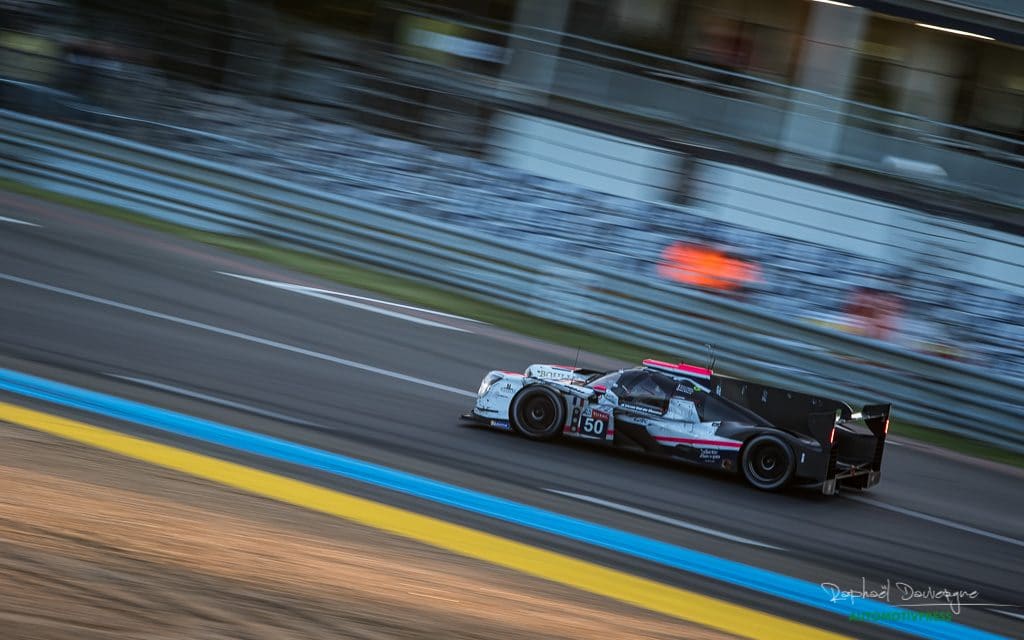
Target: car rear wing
876 417
846 459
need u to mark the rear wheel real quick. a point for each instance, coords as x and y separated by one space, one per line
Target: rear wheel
538 413
768 462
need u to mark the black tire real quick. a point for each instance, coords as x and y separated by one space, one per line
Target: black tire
537 413
767 462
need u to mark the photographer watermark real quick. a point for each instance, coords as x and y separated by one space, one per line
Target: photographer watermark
902 616
925 602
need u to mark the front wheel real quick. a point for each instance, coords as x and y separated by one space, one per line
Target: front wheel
768 462
538 413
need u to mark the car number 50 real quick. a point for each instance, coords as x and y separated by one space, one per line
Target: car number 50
593 426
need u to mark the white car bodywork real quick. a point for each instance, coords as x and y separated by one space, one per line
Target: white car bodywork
592 414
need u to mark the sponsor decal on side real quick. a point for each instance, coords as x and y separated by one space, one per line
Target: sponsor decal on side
710 455
551 373
639 408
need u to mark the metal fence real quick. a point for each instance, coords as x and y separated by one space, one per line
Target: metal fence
926 390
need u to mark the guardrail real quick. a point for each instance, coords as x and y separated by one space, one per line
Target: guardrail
170 186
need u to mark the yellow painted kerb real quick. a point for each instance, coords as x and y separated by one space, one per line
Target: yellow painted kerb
648 594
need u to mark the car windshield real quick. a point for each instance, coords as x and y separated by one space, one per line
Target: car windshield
606 380
638 387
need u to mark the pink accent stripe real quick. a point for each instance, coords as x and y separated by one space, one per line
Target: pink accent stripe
682 366
719 443
512 373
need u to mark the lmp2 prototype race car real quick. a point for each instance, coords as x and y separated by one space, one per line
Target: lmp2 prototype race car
773 437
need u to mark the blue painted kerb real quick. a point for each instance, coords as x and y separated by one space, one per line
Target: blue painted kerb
696 562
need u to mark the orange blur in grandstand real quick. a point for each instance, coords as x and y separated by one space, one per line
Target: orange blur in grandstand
706 267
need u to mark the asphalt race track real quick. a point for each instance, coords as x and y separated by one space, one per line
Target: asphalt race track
115 308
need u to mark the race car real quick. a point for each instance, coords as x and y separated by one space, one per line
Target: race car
773 437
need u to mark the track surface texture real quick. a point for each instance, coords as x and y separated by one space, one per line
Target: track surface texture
265 369
112 559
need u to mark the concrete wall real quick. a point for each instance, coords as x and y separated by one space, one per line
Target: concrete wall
795 209
587 158
828 59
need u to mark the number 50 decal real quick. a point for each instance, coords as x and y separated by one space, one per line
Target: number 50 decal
595 425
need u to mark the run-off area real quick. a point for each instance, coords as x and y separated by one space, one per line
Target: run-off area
125 549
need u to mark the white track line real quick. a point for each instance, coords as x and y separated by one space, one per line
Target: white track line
341 298
1019 616
16 221
352 296
937 520
231 404
664 519
239 335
